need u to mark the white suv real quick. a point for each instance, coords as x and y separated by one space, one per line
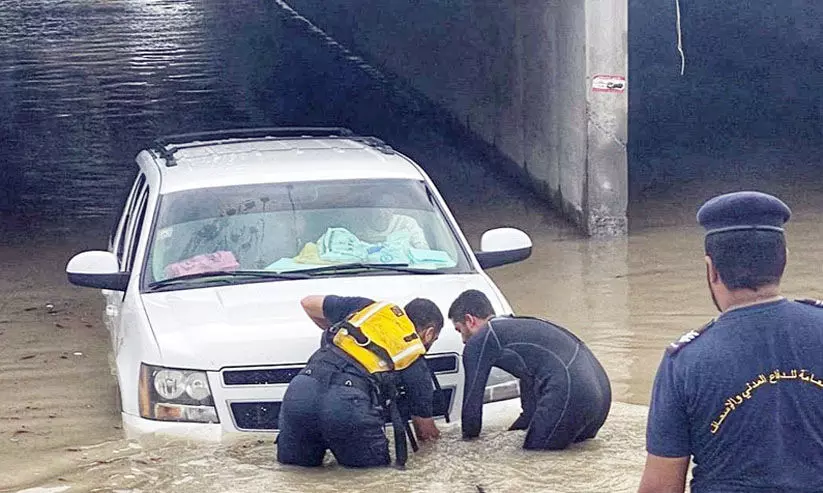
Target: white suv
224 232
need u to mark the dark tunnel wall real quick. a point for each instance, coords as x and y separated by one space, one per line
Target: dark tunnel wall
753 72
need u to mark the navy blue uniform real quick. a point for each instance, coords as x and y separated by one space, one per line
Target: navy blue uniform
565 392
331 404
744 397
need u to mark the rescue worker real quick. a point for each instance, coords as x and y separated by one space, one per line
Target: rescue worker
564 391
743 395
340 400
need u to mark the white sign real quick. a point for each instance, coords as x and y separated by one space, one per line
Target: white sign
608 83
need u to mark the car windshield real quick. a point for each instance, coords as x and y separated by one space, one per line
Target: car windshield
303 226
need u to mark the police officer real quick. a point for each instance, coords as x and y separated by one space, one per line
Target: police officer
743 395
565 392
333 403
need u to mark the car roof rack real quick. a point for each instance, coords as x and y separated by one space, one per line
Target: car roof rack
168 145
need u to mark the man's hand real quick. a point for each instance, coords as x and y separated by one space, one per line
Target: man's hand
425 429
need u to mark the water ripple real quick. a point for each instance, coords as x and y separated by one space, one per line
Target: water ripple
495 462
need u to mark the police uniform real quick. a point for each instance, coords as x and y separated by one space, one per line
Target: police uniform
333 405
565 392
743 395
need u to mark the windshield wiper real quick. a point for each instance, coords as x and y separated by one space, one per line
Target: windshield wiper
222 275
354 266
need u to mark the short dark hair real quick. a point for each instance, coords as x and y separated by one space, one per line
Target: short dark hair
424 313
472 302
748 259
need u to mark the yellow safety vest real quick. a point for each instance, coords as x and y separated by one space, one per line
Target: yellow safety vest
380 337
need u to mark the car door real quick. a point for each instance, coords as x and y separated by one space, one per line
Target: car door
121 244
124 307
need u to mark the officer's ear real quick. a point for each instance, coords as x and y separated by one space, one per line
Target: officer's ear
711 270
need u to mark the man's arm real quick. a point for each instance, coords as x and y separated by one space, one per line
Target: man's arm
664 475
668 440
420 393
528 404
313 306
479 354
513 363
326 311
418 237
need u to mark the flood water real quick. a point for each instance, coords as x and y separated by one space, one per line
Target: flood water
85 83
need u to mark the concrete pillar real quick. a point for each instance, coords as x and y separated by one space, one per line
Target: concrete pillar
520 76
607 65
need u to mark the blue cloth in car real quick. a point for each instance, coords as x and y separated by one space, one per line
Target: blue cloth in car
433 258
341 245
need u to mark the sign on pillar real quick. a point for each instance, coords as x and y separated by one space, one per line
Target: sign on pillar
608 83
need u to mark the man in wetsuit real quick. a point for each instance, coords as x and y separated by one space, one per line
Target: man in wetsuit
743 395
331 403
565 392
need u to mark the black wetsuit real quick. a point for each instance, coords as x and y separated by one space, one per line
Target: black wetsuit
565 392
331 405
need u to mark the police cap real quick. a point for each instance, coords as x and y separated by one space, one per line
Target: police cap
742 211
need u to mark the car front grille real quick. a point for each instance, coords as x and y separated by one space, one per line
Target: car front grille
267 376
441 363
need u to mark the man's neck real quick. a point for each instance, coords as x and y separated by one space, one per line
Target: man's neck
742 298
485 322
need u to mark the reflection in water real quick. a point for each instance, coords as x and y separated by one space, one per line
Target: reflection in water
84 84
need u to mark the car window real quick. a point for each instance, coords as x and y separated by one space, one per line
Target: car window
133 228
122 206
119 238
297 226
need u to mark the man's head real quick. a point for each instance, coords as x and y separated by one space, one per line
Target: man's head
745 246
379 217
469 312
427 319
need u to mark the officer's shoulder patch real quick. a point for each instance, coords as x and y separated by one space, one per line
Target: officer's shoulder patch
811 301
688 337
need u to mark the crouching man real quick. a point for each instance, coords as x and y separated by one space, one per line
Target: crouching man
565 392
343 397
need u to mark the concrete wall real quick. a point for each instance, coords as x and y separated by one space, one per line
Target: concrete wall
517 75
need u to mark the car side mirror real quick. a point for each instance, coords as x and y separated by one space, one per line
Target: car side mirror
97 269
501 246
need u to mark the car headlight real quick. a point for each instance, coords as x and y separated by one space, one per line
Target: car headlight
168 394
501 386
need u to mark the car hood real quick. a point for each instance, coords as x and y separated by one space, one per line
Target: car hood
263 323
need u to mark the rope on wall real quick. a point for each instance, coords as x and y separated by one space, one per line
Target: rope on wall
680 39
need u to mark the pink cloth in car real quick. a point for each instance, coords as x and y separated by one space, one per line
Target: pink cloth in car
209 262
